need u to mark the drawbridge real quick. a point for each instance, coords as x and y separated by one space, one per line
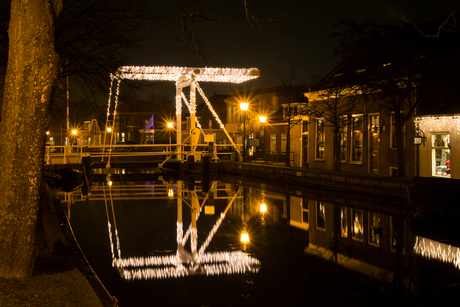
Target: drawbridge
184 77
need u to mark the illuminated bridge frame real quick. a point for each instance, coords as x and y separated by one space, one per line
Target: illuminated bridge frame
184 77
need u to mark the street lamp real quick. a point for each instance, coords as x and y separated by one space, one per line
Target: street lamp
170 126
74 133
244 107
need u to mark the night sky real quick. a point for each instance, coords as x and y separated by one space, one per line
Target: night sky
304 39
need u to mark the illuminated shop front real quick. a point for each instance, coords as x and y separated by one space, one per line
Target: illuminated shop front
439 136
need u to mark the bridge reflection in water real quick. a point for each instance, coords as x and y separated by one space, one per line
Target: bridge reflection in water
282 264
183 262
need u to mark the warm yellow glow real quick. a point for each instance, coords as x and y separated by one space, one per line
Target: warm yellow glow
109 183
244 106
170 193
263 208
47 132
109 129
170 125
74 131
244 237
263 119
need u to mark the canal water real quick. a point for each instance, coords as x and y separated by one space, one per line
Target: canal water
196 242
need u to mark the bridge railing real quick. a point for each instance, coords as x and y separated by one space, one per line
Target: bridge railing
73 154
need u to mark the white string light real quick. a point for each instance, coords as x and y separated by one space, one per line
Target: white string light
438 123
171 73
432 249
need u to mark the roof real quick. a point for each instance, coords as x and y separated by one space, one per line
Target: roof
405 52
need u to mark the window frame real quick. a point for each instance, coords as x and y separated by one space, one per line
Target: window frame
343 134
320 137
359 123
344 209
374 225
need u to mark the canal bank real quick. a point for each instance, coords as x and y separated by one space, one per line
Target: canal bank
61 240
380 186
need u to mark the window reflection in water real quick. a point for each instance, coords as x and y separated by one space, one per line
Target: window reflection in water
357 224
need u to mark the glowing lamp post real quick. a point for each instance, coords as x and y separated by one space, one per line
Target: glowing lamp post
170 126
74 134
244 108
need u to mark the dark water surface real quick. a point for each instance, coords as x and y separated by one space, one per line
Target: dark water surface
301 251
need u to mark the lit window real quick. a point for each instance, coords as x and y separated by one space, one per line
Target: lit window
273 143
343 138
320 138
357 139
440 144
304 210
283 142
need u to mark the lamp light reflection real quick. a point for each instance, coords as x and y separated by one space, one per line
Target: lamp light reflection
244 238
263 208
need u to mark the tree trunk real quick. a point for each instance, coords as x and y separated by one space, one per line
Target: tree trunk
31 73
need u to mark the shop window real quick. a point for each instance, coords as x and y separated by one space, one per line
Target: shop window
440 144
343 121
343 221
320 138
357 231
357 139
320 215
374 228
